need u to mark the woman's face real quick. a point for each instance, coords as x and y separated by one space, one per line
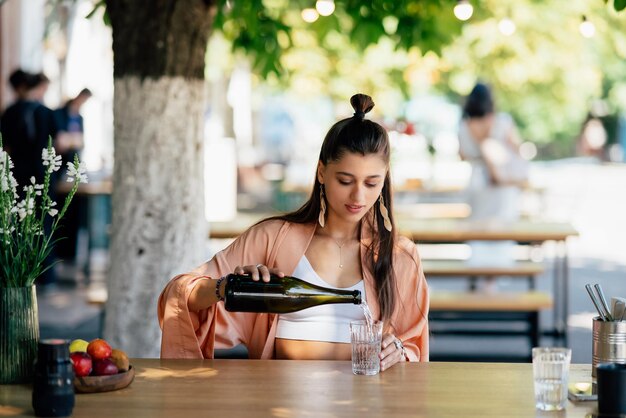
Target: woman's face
352 185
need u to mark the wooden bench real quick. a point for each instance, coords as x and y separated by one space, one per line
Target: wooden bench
457 307
462 268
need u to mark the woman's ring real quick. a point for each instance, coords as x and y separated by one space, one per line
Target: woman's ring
259 266
398 344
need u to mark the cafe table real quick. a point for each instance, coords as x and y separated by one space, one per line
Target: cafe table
284 389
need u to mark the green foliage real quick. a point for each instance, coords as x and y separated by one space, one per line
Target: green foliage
547 79
264 30
24 244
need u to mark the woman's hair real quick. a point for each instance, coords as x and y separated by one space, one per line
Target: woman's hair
360 136
479 102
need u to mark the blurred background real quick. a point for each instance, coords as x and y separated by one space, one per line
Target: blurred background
279 73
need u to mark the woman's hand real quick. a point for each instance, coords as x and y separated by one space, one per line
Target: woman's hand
391 352
259 271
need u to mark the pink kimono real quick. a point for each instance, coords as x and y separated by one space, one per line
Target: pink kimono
281 244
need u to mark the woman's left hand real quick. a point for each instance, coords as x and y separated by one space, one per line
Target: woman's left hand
391 351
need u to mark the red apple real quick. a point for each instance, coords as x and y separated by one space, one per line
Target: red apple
99 349
104 367
82 363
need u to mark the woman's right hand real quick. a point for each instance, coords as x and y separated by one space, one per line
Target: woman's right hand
258 271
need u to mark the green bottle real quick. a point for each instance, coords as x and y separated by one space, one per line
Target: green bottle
280 294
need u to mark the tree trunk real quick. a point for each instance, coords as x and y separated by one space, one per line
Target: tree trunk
158 205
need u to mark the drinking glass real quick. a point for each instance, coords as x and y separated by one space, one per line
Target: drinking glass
366 340
551 373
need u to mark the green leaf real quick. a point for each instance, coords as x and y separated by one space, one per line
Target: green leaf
619 5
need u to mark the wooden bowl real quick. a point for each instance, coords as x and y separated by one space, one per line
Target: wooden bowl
93 384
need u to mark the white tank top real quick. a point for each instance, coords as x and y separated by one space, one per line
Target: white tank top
330 323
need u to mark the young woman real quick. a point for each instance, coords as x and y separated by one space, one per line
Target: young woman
489 141
343 237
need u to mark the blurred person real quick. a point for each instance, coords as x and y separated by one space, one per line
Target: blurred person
69 122
489 141
342 237
26 127
593 138
18 80
69 143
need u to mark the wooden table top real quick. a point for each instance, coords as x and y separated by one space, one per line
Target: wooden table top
93 188
438 230
461 230
284 389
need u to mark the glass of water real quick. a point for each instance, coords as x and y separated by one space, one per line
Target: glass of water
551 373
366 340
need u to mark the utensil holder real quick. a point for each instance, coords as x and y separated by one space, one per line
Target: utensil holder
609 343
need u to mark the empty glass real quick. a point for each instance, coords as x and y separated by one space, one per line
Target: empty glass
366 339
551 373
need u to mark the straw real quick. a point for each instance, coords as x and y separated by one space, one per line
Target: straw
609 317
595 301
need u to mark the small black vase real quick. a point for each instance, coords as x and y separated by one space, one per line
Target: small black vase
53 386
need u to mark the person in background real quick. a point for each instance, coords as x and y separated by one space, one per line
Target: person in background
69 143
26 128
593 138
18 80
70 124
342 237
491 195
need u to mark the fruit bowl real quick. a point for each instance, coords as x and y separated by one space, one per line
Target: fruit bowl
93 384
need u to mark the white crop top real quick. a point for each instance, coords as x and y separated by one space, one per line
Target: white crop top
330 323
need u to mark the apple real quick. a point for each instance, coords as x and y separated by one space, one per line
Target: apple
99 349
78 345
82 363
104 367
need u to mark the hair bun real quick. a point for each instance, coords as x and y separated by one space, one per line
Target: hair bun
362 104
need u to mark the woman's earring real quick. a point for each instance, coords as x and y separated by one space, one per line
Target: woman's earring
385 214
321 218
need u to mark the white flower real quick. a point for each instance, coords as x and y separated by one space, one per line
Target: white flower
76 172
22 225
51 160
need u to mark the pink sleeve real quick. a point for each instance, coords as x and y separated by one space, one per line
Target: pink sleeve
187 334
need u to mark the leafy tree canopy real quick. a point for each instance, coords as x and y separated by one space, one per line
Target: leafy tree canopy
546 74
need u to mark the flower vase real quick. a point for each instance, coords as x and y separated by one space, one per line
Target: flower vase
19 333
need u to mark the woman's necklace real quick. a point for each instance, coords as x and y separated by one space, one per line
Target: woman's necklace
340 247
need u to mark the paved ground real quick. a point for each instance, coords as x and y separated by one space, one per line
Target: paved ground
591 196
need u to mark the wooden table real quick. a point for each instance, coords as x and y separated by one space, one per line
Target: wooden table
437 230
526 232
456 230
284 389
